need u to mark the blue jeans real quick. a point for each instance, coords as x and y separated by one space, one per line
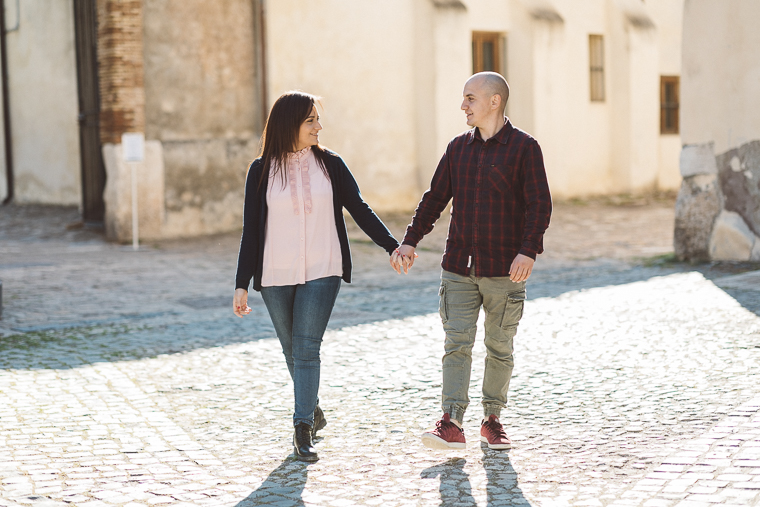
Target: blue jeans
300 314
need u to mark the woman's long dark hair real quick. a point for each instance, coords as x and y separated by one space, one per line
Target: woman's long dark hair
280 136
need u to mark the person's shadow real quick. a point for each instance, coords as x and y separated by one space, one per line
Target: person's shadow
285 483
502 487
455 483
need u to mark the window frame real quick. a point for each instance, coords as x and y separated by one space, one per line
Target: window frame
670 109
597 92
498 41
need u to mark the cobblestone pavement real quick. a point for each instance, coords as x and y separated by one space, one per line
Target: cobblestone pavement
127 381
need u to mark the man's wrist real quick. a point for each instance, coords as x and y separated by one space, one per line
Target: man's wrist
527 253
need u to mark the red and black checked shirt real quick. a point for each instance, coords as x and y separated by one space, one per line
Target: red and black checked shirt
501 203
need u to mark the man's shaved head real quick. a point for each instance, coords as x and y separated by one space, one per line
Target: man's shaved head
494 84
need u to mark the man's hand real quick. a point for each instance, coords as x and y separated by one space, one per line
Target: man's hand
521 268
240 303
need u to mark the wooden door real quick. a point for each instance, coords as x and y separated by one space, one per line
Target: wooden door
93 169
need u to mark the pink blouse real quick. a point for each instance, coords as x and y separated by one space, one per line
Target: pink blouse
301 238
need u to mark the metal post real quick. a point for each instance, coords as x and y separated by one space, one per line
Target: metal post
135 232
133 151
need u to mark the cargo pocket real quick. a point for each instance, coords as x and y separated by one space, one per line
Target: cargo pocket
513 310
442 308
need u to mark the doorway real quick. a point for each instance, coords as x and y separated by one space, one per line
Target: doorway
93 168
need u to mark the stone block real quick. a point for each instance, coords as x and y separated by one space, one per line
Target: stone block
118 193
739 175
698 205
698 159
731 239
205 185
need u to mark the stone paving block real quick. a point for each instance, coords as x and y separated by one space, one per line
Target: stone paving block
658 503
746 485
692 503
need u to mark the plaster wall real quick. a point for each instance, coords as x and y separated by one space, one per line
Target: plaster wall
201 106
573 131
360 57
644 110
668 17
590 147
721 75
547 56
453 66
598 147
43 102
520 67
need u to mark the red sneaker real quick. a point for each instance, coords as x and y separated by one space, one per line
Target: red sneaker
492 432
446 435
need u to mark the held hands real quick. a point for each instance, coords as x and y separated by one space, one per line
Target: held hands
403 258
240 303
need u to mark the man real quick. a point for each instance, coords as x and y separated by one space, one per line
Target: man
495 175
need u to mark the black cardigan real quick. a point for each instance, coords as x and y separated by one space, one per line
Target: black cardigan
345 195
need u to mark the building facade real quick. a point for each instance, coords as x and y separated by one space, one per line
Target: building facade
595 81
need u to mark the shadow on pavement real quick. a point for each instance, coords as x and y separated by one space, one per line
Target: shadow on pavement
285 484
502 487
455 485
364 302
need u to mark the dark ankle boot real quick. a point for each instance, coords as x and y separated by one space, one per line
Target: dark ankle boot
302 445
319 421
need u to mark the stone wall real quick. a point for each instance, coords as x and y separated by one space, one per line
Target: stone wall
718 206
185 73
120 68
204 105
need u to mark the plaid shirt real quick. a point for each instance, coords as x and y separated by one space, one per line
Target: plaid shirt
501 203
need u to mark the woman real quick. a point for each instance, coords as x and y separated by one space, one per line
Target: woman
295 245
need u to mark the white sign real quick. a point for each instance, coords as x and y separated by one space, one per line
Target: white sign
133 146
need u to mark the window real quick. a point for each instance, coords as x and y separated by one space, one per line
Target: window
488 52
669 104
596 67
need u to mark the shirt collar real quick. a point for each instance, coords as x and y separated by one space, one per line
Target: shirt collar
501 136
299 153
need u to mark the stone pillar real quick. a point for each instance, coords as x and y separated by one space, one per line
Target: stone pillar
718 206
699 203
122 110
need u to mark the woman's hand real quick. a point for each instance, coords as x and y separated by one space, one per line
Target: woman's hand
396 261
403 258
240 303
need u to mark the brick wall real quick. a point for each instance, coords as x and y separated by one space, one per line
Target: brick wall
121 72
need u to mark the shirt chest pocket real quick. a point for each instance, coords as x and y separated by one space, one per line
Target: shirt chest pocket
499 179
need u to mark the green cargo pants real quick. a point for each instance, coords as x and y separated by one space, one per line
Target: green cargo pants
460 300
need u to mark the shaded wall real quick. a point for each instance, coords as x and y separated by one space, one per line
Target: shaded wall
43 102
201 103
